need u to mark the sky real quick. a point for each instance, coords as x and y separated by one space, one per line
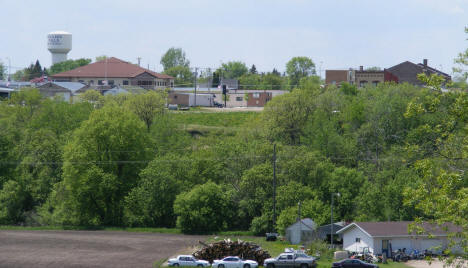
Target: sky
335 34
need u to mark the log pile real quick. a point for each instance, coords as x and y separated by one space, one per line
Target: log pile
244 250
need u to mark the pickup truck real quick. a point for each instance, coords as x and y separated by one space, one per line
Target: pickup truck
291 260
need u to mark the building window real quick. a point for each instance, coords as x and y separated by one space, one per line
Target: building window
99 82
110 82
238 98
358 240
362 83
375 83
333 82
125 82
91 82
256 95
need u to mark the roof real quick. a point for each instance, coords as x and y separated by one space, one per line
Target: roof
110 68
327 228
306 223
408 71
66 86
400 228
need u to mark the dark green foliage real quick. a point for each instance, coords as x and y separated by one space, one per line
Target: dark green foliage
68 65
204 209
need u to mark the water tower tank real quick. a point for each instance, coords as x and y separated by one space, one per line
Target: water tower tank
59 43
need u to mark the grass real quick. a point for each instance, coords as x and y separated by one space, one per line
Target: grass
277 247
225 119
159 263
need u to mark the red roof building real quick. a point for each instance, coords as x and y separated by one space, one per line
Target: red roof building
113 71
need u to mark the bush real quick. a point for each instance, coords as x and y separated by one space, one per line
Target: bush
320 248
12 198
205 209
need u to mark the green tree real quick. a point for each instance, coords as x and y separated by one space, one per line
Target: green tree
312 208
462 62
182 74
101 58
147 106
233 69
253 69
11 203
68 65
250 81
101 165
299 67
151 203
174 57
2 71
204 209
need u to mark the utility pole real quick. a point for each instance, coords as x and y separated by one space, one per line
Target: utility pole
9 68
195 74
274 187
139 59
331 219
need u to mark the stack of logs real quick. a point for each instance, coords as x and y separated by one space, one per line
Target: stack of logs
244 250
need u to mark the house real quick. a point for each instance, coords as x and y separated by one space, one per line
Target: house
408 72
301 231
323 232
64 89
385 237
113 71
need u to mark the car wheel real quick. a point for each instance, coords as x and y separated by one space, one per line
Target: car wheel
221 266
304 265
176 264
246 265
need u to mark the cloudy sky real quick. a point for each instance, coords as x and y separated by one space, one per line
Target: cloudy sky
267 33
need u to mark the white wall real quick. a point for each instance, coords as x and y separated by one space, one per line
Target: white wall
349 240
410 243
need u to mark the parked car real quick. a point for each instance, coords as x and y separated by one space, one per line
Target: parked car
290 260
348 263
234 262
187 260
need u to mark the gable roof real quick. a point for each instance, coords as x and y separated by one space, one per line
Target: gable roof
111 68
400 228
408 71
307 223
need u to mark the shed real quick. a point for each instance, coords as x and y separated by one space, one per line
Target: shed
323 232
385 237
301 231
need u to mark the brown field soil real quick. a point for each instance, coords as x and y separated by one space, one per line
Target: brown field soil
89 248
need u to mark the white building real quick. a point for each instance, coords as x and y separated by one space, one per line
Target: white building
385 237
301 231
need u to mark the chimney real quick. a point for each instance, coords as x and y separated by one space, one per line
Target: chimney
425 62
361 68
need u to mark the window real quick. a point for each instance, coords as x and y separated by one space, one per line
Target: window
290 257
282 257
333 82
125 82
375 83
256 95
81 81
91 82
238 98
358 240
111 82
362 83
100 82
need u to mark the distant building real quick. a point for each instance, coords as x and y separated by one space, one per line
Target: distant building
408 72
301 231
190 99
336 77
323 232
116 72
63 89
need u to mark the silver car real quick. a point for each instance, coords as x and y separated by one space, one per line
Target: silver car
291 260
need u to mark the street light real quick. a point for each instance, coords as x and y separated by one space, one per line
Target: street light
331 218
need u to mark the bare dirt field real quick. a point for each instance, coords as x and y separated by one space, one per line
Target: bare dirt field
88 248
434 264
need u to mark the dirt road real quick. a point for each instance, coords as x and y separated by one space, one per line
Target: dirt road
88 248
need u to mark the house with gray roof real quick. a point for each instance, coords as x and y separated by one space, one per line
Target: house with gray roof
63 89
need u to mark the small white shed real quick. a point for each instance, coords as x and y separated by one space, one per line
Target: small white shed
385 237
301 231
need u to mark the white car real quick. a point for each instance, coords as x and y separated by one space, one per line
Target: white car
187 260
234 262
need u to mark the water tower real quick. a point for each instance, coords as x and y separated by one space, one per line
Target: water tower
59 43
